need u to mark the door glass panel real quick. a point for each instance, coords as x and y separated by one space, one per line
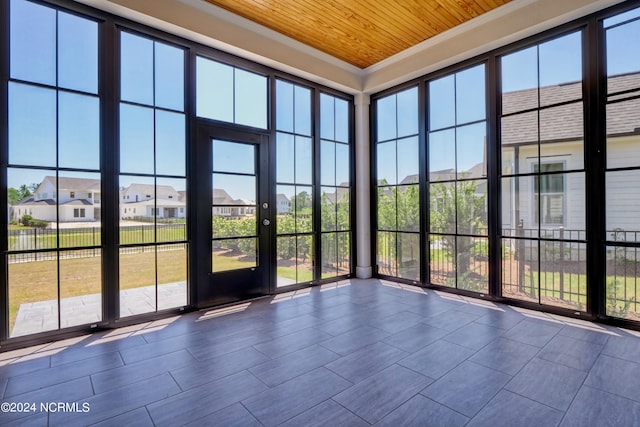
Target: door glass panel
233 210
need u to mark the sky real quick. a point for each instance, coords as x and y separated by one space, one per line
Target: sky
56 48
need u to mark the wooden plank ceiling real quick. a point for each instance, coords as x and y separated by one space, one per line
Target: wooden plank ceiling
360 32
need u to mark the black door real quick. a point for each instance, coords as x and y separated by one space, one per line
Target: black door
234 220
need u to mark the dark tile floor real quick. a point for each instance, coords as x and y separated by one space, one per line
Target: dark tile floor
355 353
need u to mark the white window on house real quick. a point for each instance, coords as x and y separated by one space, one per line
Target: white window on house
134 210
155 211
148 196
181 210
549 194
79 213
171 197
72 194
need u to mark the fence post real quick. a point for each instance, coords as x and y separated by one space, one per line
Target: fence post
520 255
561 263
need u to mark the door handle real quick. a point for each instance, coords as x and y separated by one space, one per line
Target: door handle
266 222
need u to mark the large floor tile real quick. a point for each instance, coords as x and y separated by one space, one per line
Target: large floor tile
281 403
533 332
571 352
616 376
375 397
367 361
509 409
436 359
623 347
136 418
549 383
328 413
286 344
232 416
505 355
354 340
474 335
467 388
451 320
421 411
596 407
415 337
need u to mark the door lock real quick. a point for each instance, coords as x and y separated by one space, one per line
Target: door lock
266 222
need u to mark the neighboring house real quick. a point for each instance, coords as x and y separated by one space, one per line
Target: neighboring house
283 204
561 197
225 205
75 199
148 201
341 195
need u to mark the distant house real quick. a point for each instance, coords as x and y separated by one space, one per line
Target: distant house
148 201
74 199
283 204
225 205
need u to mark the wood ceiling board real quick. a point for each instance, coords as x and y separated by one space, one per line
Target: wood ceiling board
360 32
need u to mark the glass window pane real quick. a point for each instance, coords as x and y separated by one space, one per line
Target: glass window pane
623 145
386 163
342 120
387 209
284 106
327 117
621 203
305 258
563 274
622 52
286 221
562 134
621 17
344 253
520 80
304 160
170 143
32 125
520 133
442 155
234 254
77 53
250 99
137 280
442 209
329 243
472 263
343 168
31 197
343 208
471 154
233 221
386 249
171 209
302 110
409 256
286 253
234 189
214 90
137 209
285 158
470 95
471 207
386 118
520 269
442 263
169 77
408 160
442 103
622 282
78 131
407 112
33 293
328 206
136 139
80 287
172 276
79 199
328 163
561 63
408 206
136 69
33 42
519 207
302 204
233 157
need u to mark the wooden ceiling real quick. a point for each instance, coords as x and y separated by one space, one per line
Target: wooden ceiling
360 32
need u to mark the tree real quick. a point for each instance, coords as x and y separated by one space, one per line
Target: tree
13 195
452 204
